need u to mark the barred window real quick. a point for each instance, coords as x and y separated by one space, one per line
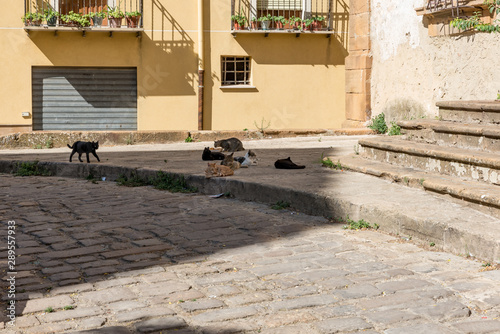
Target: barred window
279 4
235 71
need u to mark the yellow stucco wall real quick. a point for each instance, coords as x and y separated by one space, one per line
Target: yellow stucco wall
299 82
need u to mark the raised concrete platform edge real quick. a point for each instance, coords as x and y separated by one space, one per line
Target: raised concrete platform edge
42 139
449 234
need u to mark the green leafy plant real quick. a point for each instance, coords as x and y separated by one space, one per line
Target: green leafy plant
50 16
308 22
69 307
378 124
133 181
474 22
31 169
498 96
189 139
280 205
267 17
49 310
240 18
100 14
33 18
49 143
115 12
76 19
356 149
432 244
394 130
165 181
133 14
327 162
358 225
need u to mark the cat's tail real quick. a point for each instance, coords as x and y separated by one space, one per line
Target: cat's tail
71 147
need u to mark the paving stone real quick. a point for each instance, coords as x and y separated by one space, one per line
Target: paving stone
421 329
303 302
482 326
142 313
59 327
296 291
225 314
106 296
223 290
295 329
92 322
38 305
342 325
78 312
125 305
444 311
27 321
72 289
409 284
112 282
160 324
288 318
162 288
71 253
200 305
388 318
106 330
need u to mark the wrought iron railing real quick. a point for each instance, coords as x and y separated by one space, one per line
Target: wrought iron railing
83 13
275 15
455 6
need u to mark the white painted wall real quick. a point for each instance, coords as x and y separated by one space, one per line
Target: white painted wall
412 71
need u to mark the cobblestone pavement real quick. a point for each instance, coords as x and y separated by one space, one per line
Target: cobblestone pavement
111 259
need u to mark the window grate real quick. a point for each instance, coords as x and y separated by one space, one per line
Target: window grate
235 71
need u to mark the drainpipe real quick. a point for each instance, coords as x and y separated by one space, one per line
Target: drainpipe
201 64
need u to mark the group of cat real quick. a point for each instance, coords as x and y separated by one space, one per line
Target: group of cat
230 163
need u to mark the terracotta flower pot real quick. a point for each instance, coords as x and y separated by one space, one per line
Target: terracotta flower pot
133 21
115 22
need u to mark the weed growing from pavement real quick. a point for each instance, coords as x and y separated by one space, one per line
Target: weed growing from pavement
327 162
394 130
49 310
358 225
31 169
69 307
280 205
378 124
162 181
189 139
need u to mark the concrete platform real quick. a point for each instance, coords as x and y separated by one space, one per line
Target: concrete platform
316 190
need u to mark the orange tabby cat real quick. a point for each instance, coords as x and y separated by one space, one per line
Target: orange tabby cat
217 170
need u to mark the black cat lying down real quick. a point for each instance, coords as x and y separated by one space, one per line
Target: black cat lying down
209 155
287 164
81 147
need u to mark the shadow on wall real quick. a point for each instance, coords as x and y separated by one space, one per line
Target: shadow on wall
165 58
404 110
168 56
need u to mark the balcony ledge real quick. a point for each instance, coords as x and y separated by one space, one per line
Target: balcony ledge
297 33
83 30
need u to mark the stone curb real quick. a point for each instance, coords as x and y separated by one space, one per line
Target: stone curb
110 138
448 236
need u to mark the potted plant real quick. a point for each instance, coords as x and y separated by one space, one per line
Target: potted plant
132 19
318 23
97 18
32 19
294 22
254 23
51 17
239 21
279 22
265 21
73 19
115 16
307 24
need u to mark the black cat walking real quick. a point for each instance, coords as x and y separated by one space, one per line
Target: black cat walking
81 147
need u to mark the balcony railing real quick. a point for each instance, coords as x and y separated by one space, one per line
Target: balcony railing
91 14
287 15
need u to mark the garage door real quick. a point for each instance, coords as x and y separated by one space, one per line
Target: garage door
84 99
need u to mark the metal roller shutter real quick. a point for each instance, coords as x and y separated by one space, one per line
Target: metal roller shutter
84 99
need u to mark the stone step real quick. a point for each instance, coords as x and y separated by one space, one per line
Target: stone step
446 133
478 195
457 162
479 112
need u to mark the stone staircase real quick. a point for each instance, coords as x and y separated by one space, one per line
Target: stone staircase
457 155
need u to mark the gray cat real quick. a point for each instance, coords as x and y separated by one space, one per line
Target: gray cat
84 147
229 145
